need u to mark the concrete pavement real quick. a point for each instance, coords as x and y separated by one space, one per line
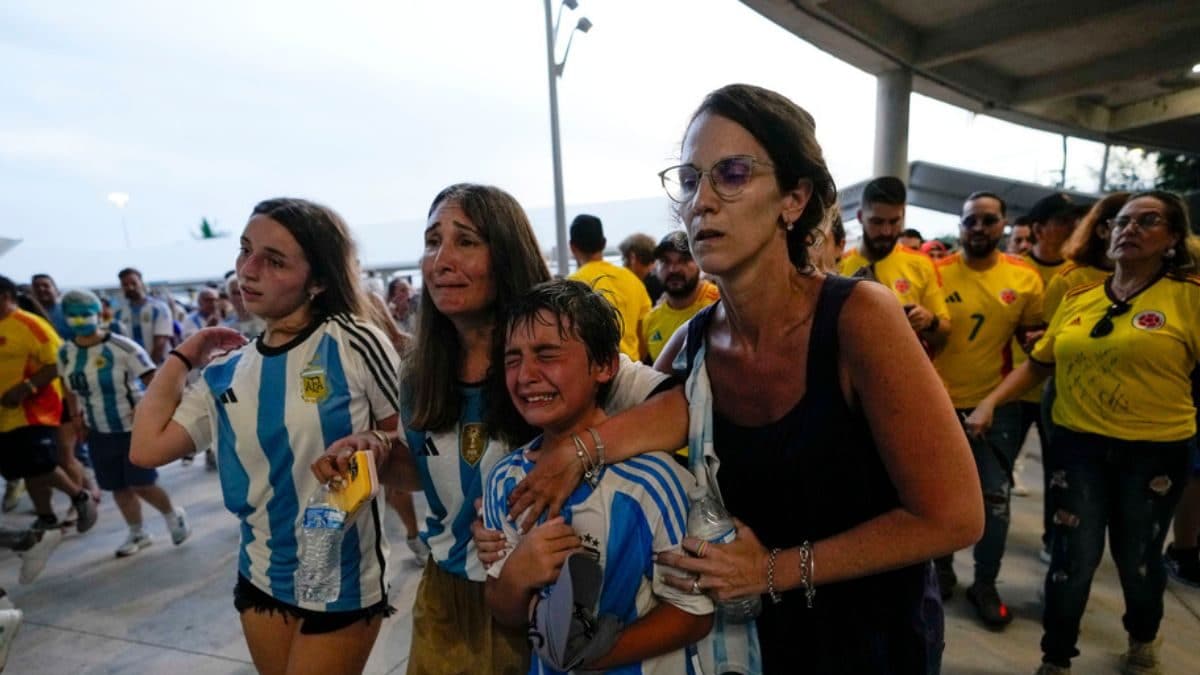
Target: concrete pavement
170 609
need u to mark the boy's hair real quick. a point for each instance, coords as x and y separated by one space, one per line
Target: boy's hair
581 313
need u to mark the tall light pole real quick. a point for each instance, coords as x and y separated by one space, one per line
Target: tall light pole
120 199
554 70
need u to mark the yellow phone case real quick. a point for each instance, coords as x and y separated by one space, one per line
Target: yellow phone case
360 486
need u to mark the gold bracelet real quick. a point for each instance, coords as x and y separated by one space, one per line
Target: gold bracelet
383 438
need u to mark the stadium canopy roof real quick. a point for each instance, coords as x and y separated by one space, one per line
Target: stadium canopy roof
943 189
1114 71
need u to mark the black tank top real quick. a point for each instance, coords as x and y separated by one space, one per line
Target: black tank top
812 474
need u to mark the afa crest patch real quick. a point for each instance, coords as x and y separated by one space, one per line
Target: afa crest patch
472 442
101 362
313 386
1149 320
1008 296
902 286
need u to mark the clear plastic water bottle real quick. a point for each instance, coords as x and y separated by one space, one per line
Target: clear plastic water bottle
319 576
708 520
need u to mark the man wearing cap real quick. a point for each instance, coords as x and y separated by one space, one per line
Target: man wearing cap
619 286
686 293
1051 221
910 274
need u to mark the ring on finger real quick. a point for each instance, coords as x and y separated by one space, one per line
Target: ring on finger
700 549
696 586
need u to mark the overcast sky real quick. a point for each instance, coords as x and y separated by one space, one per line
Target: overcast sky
202 109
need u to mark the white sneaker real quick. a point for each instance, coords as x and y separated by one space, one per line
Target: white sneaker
177 523
133 544
419 548
1141 659
12 494
33 559
10 621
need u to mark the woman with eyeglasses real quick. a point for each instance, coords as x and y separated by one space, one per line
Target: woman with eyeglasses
815 417
1122 351
457 421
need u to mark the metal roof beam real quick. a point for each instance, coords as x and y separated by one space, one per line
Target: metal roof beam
878 27
1158 109
1172 54
1010 23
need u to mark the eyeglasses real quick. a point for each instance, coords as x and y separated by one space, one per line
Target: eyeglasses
729 176
987 220
1144 221
1104 326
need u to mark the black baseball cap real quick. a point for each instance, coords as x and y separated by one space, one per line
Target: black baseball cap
676 241
1057 205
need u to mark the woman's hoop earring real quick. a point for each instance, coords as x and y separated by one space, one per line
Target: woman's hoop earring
1169 254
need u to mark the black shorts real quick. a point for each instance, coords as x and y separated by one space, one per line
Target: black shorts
28 452
248 596
110 457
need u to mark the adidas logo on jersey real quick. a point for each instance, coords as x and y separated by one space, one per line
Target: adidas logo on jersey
954 297
657 337
228 396
429 449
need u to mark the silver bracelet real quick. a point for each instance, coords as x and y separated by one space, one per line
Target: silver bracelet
590 474
776 598
807 567
599 447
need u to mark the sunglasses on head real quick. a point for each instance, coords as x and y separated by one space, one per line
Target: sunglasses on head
1105 326
986 220
729 176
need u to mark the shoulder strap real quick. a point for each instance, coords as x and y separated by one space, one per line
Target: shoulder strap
823 341
697 329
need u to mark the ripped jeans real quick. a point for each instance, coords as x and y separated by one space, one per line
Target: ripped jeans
994 457
1130 489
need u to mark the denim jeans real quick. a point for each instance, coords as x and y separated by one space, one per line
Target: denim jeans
994 457
1130 489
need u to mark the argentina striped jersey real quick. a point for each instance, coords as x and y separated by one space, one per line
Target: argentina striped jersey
107 379
269 412
454 462
145 321
638 508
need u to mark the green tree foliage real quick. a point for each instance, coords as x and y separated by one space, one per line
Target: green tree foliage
1178 173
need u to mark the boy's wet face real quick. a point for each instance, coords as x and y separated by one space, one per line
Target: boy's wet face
549 378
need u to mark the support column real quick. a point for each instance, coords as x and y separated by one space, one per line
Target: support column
892 92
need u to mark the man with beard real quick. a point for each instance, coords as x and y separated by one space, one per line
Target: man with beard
145 320
910 274
992 297
45 291
686 294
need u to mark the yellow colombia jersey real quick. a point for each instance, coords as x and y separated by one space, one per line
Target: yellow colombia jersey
662 321
28 344
986 309
910 274
1047 271
626 292
1133 384
1072 275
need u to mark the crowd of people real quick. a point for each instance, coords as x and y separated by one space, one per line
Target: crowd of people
560 428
